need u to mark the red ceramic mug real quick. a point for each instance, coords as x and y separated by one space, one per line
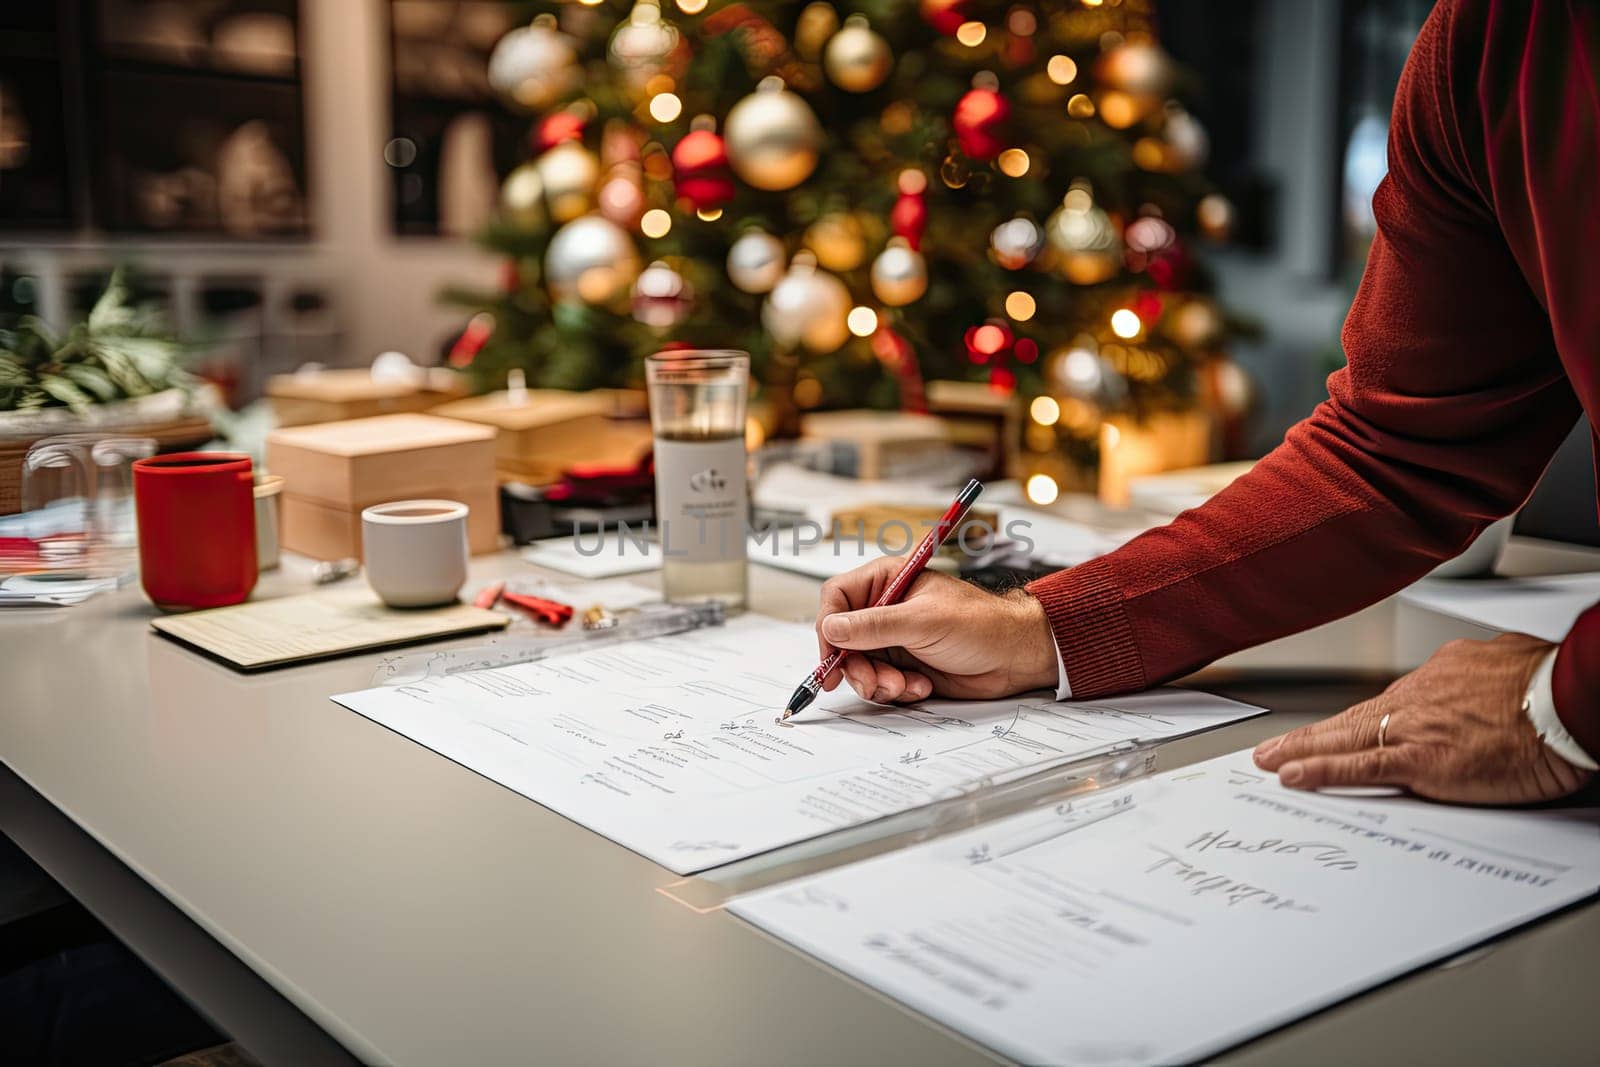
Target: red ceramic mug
197 528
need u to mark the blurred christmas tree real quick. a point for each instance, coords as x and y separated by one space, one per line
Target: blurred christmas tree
865 195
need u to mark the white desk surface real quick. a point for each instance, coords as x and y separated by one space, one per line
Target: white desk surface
422 914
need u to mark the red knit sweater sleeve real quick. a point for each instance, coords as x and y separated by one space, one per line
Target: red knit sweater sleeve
1452 402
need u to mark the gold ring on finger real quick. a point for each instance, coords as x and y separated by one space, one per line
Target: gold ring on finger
1383 730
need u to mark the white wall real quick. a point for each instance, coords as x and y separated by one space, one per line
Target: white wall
389 284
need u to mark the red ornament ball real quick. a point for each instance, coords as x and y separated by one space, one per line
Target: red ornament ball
700 162
556 127
699 150
706 192
909 218
945 16
1147 306
980 121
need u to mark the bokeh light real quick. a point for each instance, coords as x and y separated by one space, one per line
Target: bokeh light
1044 410
665 107
1125 323
1020 305
657 223
1014 162
863 321
988 339
1042 489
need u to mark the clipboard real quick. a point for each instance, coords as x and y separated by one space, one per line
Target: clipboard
292 630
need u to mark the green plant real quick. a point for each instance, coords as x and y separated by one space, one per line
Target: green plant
121 351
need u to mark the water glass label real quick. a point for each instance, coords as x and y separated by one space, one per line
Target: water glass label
701 502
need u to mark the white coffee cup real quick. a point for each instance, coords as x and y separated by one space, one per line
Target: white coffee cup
415 551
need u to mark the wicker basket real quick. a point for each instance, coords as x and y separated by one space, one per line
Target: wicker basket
171 434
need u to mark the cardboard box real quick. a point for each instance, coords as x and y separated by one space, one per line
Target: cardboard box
541 433
337 395
333 470
882 444
981 419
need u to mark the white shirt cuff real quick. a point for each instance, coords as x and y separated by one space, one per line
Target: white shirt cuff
1540 706
1063 687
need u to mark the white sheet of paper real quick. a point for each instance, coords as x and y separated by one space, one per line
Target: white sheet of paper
669 746
819 495
577 556
1061 542
1545 607
827 559
1181 915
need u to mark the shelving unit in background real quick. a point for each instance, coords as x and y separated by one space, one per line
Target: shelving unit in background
169 137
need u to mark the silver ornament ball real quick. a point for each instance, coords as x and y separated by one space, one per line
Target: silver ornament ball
857 60
661 297
533 66
808 307
899 274
756 262
590 260
1016 242
773 138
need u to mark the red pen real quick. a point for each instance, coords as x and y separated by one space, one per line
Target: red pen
896 589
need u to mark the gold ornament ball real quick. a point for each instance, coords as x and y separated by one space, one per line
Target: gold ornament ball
1214 214
808 307
773 138
591 260
1195 324
1090 247
816 24
838 241
533 66
756 262
642 45
1136 67
1233 388
569 172
522 197
1188 144
857 59
899 274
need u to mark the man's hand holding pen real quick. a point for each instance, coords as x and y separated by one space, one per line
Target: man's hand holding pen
946 638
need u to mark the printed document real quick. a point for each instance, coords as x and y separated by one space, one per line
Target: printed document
1174 917
671 747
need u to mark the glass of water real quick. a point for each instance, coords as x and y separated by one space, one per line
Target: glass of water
697 414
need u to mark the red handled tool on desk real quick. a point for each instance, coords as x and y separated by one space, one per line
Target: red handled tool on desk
914 566
549 612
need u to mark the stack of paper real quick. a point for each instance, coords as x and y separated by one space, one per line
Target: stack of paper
1545 607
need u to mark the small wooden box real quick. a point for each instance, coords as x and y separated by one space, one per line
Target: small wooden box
543 432
334 469
882 442
981 419
336 395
